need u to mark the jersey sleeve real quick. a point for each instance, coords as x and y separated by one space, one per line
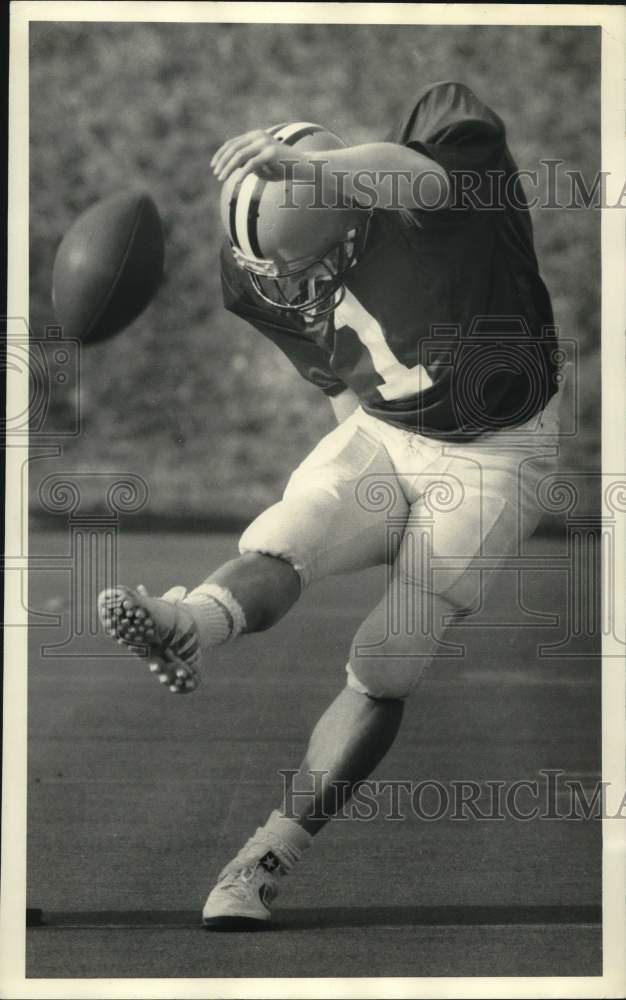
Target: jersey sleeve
449 124
309 357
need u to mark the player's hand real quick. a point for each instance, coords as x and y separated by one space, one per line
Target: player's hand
253 152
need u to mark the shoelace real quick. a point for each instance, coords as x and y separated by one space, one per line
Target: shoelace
180 635
237 882
247 859
184 641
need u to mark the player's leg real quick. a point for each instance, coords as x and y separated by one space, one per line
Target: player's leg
466 491
350 739
264 586
348 742
249 594
467 506
318 528
398 640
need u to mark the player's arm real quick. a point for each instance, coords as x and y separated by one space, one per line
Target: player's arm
385 174
379 174
344 404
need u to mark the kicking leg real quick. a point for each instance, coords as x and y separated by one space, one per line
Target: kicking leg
265 587
248 594
317 529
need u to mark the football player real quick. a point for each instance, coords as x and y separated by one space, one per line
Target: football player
397 278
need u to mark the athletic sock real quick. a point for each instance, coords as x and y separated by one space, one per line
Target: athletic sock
217 614
287 839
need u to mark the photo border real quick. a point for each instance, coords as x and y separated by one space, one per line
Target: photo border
612 21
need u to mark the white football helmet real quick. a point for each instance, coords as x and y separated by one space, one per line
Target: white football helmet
295 250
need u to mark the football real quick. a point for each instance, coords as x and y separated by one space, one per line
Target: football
108 267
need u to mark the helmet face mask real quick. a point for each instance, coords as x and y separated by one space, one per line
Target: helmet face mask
307 290
312 287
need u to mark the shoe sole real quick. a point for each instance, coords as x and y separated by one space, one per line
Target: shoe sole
126 618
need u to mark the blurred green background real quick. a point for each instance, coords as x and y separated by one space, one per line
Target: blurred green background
192 399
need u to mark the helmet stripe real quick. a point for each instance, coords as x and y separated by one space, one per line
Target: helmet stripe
290 134
246 196
232 213
241 214
253 215
234 197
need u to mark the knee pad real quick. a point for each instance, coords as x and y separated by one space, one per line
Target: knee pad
388 659
274 533
355 684
319 532
295 529
322 526
385 677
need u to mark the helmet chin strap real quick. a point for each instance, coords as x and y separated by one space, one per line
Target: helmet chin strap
325 306
320 304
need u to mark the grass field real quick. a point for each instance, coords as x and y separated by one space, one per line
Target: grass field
136 798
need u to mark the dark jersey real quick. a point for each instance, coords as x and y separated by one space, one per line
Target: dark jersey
445 327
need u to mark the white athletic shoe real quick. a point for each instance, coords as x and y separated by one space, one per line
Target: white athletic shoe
245 888
160 629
